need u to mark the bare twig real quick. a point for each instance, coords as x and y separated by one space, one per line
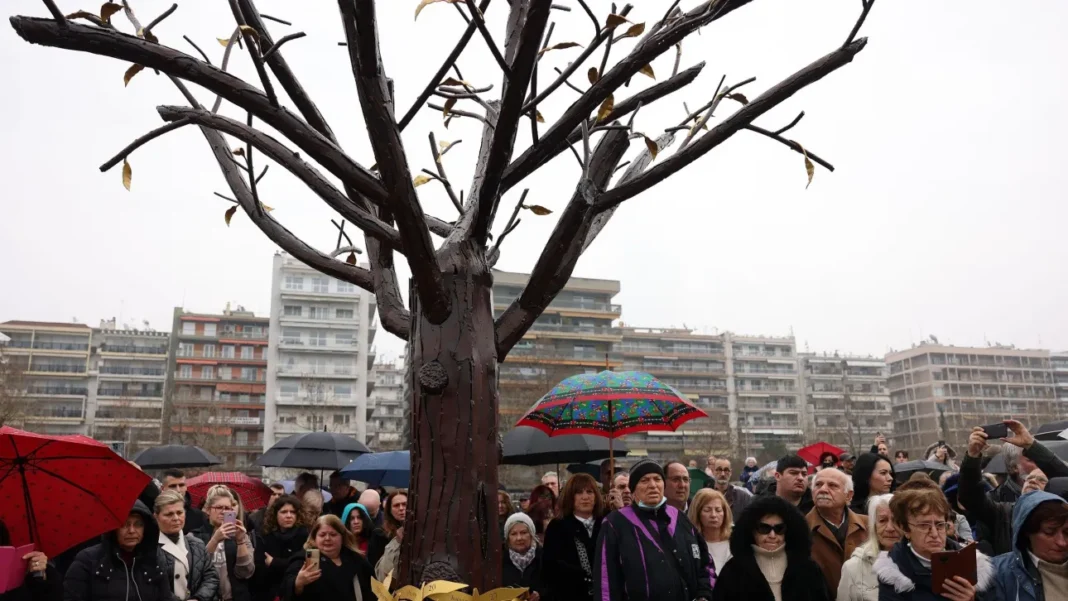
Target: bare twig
568 71
253 40
791 124
561 7
341 234
159 19
139 142
593 17
225 197
262 173
510 224
566 81
441 174
678 59
194 45
234 37
251 167
274 48
480 22
275 19
856 28
459 113
449 61
792 145
56 13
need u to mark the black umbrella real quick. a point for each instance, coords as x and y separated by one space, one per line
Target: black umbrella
313 451
904 471
997 464
1051 431
592 468
175 455
524 445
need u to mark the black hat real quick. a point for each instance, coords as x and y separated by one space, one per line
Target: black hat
643 468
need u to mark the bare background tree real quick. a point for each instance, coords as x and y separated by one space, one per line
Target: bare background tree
13 400
456 342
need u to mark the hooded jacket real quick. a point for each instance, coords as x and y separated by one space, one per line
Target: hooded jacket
646 554
100 573
374 543
1016 578
903 578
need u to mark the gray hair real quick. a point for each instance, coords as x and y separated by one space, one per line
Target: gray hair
871 546
848 486
1012 455
166 498
549 475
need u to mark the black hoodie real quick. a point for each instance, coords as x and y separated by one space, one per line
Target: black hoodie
105 573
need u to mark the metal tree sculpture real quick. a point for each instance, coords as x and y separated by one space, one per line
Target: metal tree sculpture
456 344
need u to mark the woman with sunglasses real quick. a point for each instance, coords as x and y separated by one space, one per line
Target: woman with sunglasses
771 557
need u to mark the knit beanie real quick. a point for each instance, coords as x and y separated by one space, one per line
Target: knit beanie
518 518
641 469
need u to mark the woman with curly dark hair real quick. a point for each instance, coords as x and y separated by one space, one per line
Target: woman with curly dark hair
772 559
283 534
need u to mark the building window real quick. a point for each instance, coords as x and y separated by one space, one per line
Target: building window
318 312
209 329
224 397
317 339
294 282
340 418
345 287
241 438
343 313
289 388
291 336
185 371
209 350
320 285
228 351
207 372
225 373
343 338
189 328
292 310
248 373
342 390
245 398
248 352
185 349
205 393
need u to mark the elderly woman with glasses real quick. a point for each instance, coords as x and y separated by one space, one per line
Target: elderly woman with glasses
228 543
922 513
771 557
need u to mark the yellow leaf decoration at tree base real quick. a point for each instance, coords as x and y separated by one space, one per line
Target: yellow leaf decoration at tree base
441 590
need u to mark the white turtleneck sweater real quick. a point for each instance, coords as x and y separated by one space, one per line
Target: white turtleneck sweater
772 565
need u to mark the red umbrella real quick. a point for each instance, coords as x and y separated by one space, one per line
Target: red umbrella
253 492
813 452
58 491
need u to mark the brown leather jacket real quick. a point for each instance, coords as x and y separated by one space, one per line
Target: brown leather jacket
825 548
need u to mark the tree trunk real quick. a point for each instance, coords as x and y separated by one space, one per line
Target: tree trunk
452 507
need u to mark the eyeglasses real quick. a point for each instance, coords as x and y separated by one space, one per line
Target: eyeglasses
766 529
929 526
221 508
1039 479
725 470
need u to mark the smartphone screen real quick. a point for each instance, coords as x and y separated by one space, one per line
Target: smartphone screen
230 517
996 430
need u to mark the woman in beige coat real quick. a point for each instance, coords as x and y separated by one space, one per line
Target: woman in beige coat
859 582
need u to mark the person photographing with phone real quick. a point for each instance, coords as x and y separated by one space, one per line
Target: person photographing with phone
331 568
228 543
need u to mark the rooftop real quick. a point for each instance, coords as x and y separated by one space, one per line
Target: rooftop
45 324
510 278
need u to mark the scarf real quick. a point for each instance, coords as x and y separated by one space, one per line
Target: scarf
522 560
588 523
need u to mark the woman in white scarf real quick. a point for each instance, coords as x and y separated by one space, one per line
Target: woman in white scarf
522 559
195 577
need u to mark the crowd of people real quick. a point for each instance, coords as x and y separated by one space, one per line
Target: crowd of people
846 529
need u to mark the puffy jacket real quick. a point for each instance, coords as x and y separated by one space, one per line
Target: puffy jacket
202 581
903 578
1016 578
859 582
99 573
390 560
646 554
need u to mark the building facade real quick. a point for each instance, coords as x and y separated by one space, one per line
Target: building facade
846 400
130 367
321 331
387 410
216 384
939 392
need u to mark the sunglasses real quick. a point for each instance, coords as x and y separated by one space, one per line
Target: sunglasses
766 529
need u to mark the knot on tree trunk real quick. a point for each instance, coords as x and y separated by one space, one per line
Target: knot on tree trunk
433 378
439 569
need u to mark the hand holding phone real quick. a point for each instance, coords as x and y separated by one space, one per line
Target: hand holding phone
311 557
996 430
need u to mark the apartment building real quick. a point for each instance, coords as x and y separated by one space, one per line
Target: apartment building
939 392
1058 363
130 367
216 383
846 399
696 365
763 393
321 331
52 362
574 335
387 409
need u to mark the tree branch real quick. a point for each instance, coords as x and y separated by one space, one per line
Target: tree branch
278 153
792 145
441 173
361 33
561 253
274 48
139 142
56 13
863 15
478 219
159 19
125 47
252 38
541 153
480 23
445 66
729 126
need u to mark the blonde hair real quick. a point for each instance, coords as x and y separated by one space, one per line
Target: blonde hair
704 497
348 540
168 497
221 490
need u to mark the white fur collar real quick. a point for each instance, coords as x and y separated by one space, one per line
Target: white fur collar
888 573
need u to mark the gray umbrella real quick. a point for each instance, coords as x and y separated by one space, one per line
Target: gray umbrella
175 455
997 464
524 445
313 451
904 471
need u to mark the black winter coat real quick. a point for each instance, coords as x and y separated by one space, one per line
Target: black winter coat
36 589
99 573
562 571
741 578
194 518
239 588
282 547
530 578
335 582
202 579
651 554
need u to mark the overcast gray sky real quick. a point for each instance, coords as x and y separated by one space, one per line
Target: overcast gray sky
945 214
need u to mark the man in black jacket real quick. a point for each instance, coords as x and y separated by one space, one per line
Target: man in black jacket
650 550
174 479
791 482
996 516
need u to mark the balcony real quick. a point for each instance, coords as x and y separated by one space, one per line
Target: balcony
322 295
122 370
237 421
575 331
131 394
59 413
57 391
558 303
315 346
309 400
133 350
300 371
57 368
58 346
243 335
552 355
